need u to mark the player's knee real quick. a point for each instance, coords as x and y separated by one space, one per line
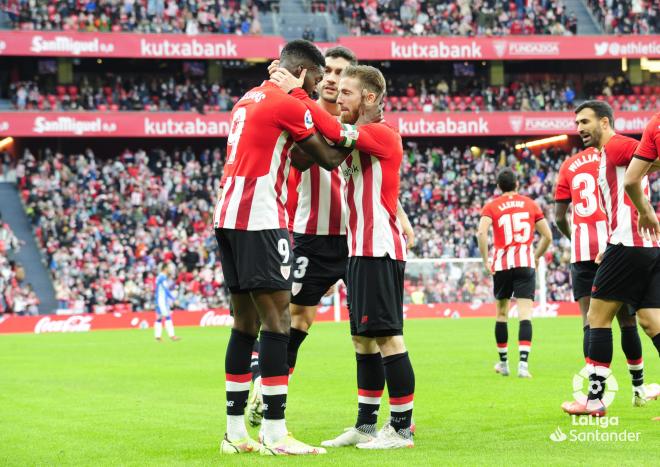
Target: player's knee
391 345
626 320
365 345
246 325
649 320
302 317
280 323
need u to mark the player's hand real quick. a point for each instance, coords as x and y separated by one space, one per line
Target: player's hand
272 68
286 81
599 258
648 226
330 291
409 233
488 269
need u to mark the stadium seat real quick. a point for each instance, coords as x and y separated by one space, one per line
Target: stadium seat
621 99
102 107
61 90
632 99
114 107
637 90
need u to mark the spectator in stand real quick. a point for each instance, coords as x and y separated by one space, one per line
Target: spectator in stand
456 17
105 226
421 94
16 295
308 34
627 16
148 16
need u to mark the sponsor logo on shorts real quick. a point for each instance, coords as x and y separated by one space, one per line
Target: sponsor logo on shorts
296 288
286 271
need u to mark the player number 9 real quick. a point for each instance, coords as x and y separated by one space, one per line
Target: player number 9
234 136
283 249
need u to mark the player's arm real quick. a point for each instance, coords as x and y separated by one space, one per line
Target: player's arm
299 159
366 138
543 228
322 153
562 200
561 220
407 227
647 224
482 239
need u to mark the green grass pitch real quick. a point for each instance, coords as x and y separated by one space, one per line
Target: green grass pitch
120 398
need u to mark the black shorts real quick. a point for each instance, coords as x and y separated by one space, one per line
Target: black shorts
375 296
516 282
254 260
630 275
320 261
582 278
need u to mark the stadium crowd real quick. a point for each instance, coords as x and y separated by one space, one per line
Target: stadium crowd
422 94
16 295
124 94
456 17
106 224
147 16
626 16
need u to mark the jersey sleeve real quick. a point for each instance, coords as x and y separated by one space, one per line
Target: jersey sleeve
487 211
375 139
563 187
649 146
296 119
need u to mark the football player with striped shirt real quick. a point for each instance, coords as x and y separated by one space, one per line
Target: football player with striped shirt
317 219
251 230
376 244
514 219
577 185
629 272
321 251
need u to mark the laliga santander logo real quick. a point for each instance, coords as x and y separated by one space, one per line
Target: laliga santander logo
211 319
71 324
595 387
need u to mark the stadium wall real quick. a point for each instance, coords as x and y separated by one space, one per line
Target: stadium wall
10 324
120 124
218 46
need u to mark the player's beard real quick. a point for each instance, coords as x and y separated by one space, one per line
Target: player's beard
594 138
351 117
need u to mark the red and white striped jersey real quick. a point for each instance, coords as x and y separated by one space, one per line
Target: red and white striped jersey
265 123
321 208
621 212
514 219
372 192
577 183
649 146
371 172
